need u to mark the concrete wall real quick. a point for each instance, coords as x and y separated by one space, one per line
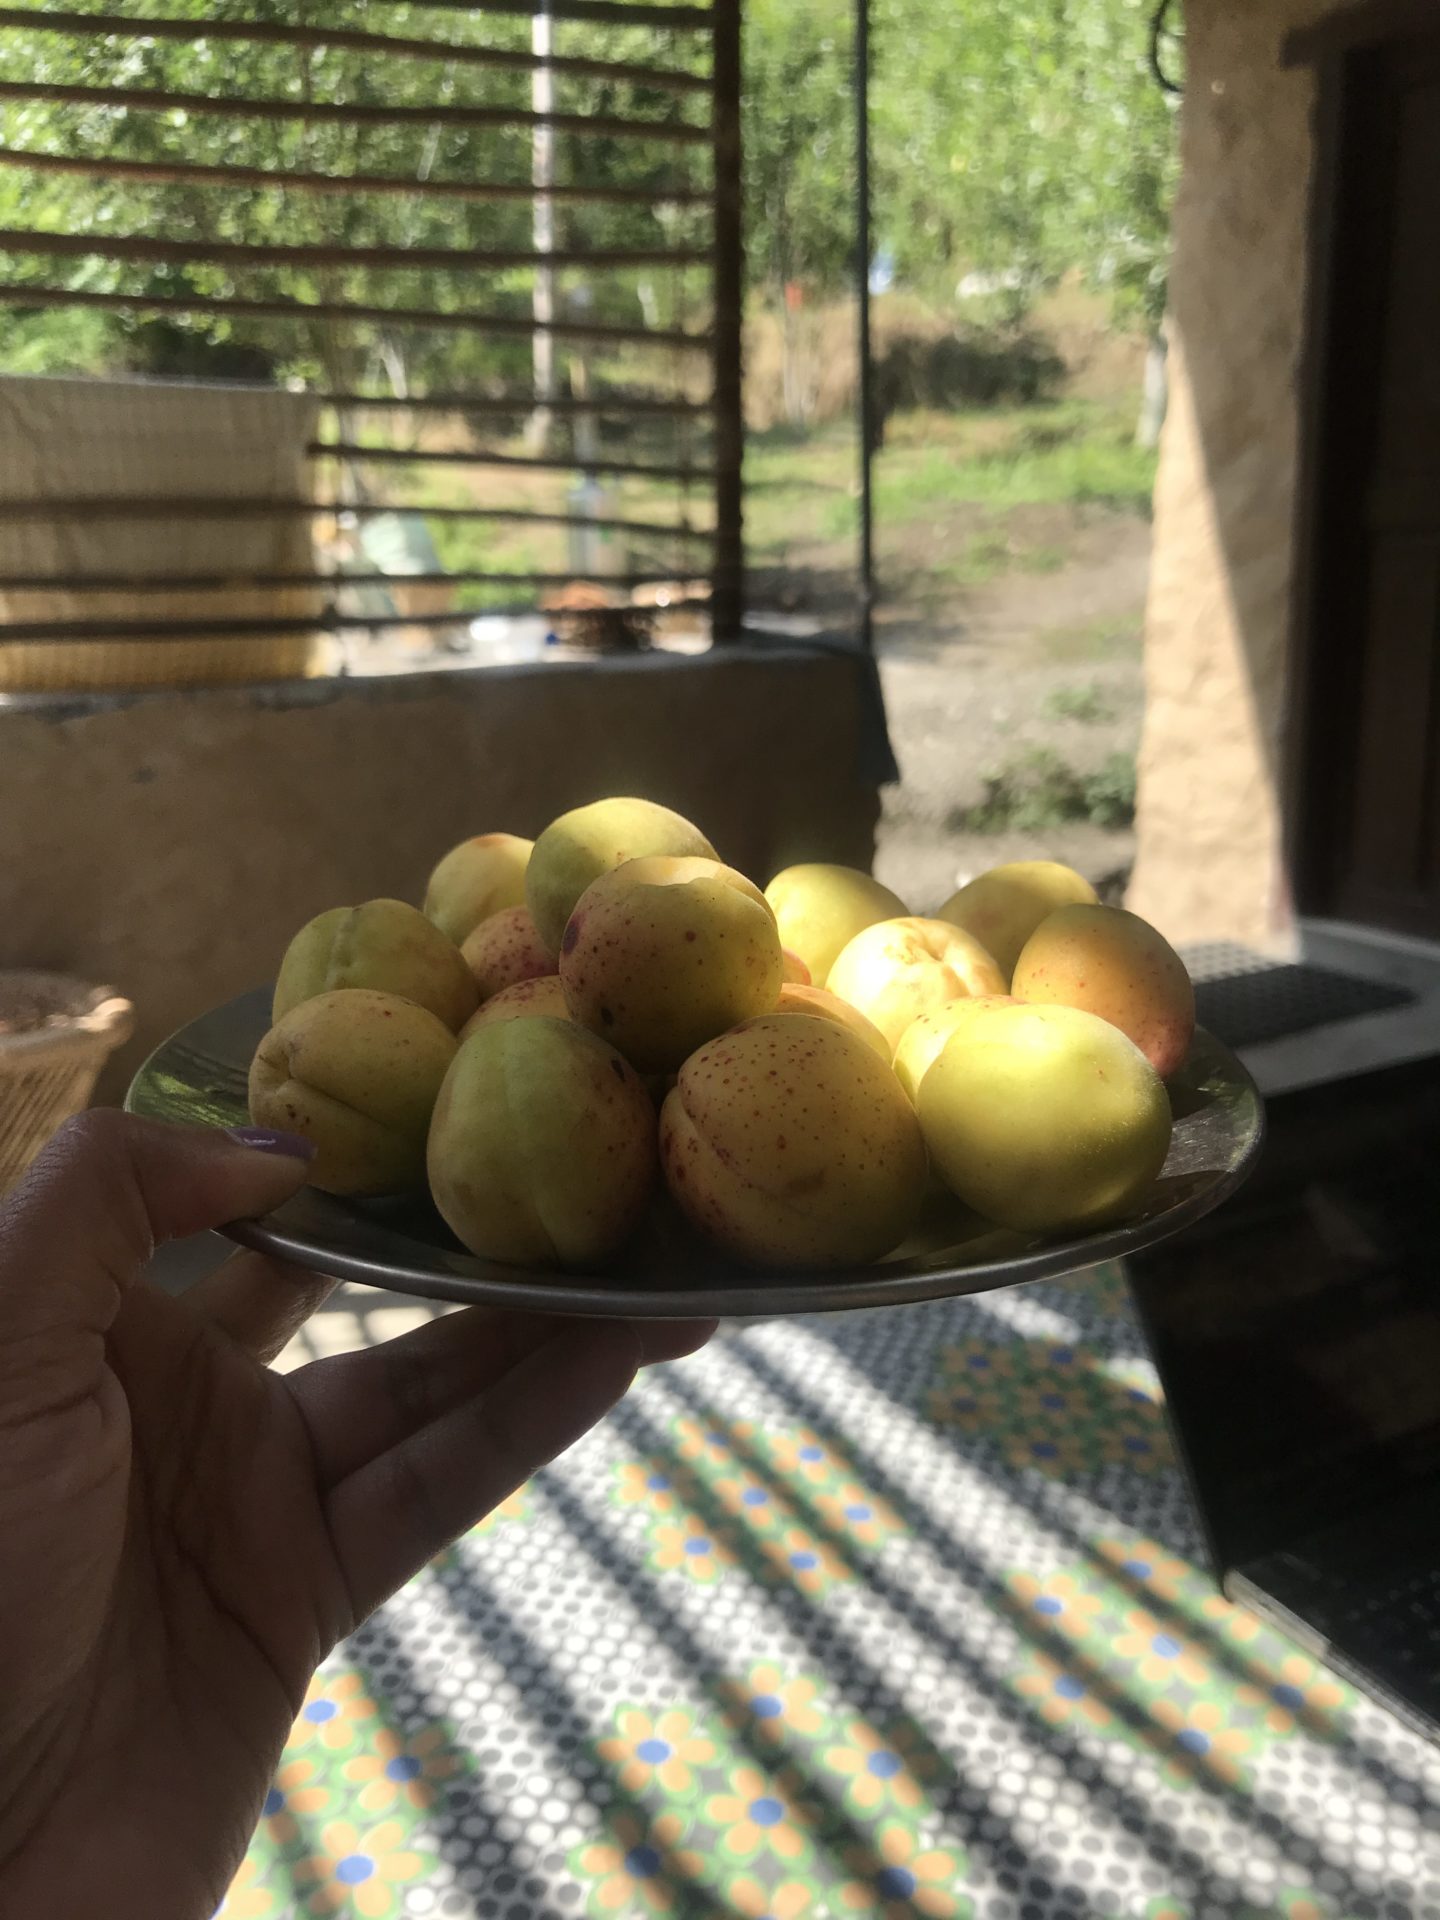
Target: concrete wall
169 845
1209 859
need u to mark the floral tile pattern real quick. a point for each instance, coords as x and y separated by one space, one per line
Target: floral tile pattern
761 1505
888 1616
1139 1643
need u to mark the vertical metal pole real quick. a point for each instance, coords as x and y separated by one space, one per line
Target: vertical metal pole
542 173
728 581
862 288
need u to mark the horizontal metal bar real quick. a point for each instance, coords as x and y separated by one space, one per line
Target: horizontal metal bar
613 13
329 620
13 294
232 583
179 173
602 403
159 100
144 246
401 456
387 45
186 507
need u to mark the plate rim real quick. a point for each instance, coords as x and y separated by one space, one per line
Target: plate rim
746 1295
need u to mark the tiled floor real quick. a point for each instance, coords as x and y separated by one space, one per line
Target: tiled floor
884 1615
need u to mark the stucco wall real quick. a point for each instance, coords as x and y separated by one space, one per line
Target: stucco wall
1208 861
169 845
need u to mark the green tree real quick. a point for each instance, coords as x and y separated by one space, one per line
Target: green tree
1026 140
799 129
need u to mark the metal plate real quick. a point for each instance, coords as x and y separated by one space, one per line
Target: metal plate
199 1075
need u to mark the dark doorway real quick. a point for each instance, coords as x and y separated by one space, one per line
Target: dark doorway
1365 798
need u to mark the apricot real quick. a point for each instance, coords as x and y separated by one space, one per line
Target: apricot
819 908
898 969
662 954
504 950
926 1036
479 877
821 1005
542 1148
589 841
357 1073
543 996
384 945
1044 1118
797 974
791 1143
1114 964
1003 907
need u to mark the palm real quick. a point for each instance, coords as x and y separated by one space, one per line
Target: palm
194 1532
204 1587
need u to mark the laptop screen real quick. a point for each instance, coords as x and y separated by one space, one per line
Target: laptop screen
1297 1332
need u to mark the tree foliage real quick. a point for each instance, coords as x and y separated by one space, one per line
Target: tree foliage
91 204
1023 139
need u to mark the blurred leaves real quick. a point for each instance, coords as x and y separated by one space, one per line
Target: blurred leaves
1018 142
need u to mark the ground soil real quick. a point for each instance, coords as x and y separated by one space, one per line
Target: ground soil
969 685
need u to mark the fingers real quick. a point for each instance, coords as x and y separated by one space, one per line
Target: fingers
361 1404
671 1339
89 1213
261 1303
396 1512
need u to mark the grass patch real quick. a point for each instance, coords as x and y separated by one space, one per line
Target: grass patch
989 557
1075 453
1034 456
1041 559
1112 637
1089 704
1039 790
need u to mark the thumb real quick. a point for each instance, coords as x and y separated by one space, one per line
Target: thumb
107 1189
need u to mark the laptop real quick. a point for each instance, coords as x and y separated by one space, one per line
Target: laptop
1297 1337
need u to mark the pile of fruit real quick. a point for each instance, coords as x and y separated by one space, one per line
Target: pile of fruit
570 1021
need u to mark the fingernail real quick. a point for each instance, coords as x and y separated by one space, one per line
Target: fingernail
292 1146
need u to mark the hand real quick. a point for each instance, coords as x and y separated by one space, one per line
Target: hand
186 1534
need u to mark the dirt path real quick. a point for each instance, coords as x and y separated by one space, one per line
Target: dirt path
1025 673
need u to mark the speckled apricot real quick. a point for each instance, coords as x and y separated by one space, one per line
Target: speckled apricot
792 1143
662 954
385 946
1106 961
544 996
505 949
542 1149
1004 906
479 877
829 1006
577 848
357 1073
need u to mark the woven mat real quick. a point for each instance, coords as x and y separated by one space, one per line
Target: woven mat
883 1615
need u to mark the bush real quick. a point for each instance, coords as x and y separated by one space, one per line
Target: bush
1039 790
